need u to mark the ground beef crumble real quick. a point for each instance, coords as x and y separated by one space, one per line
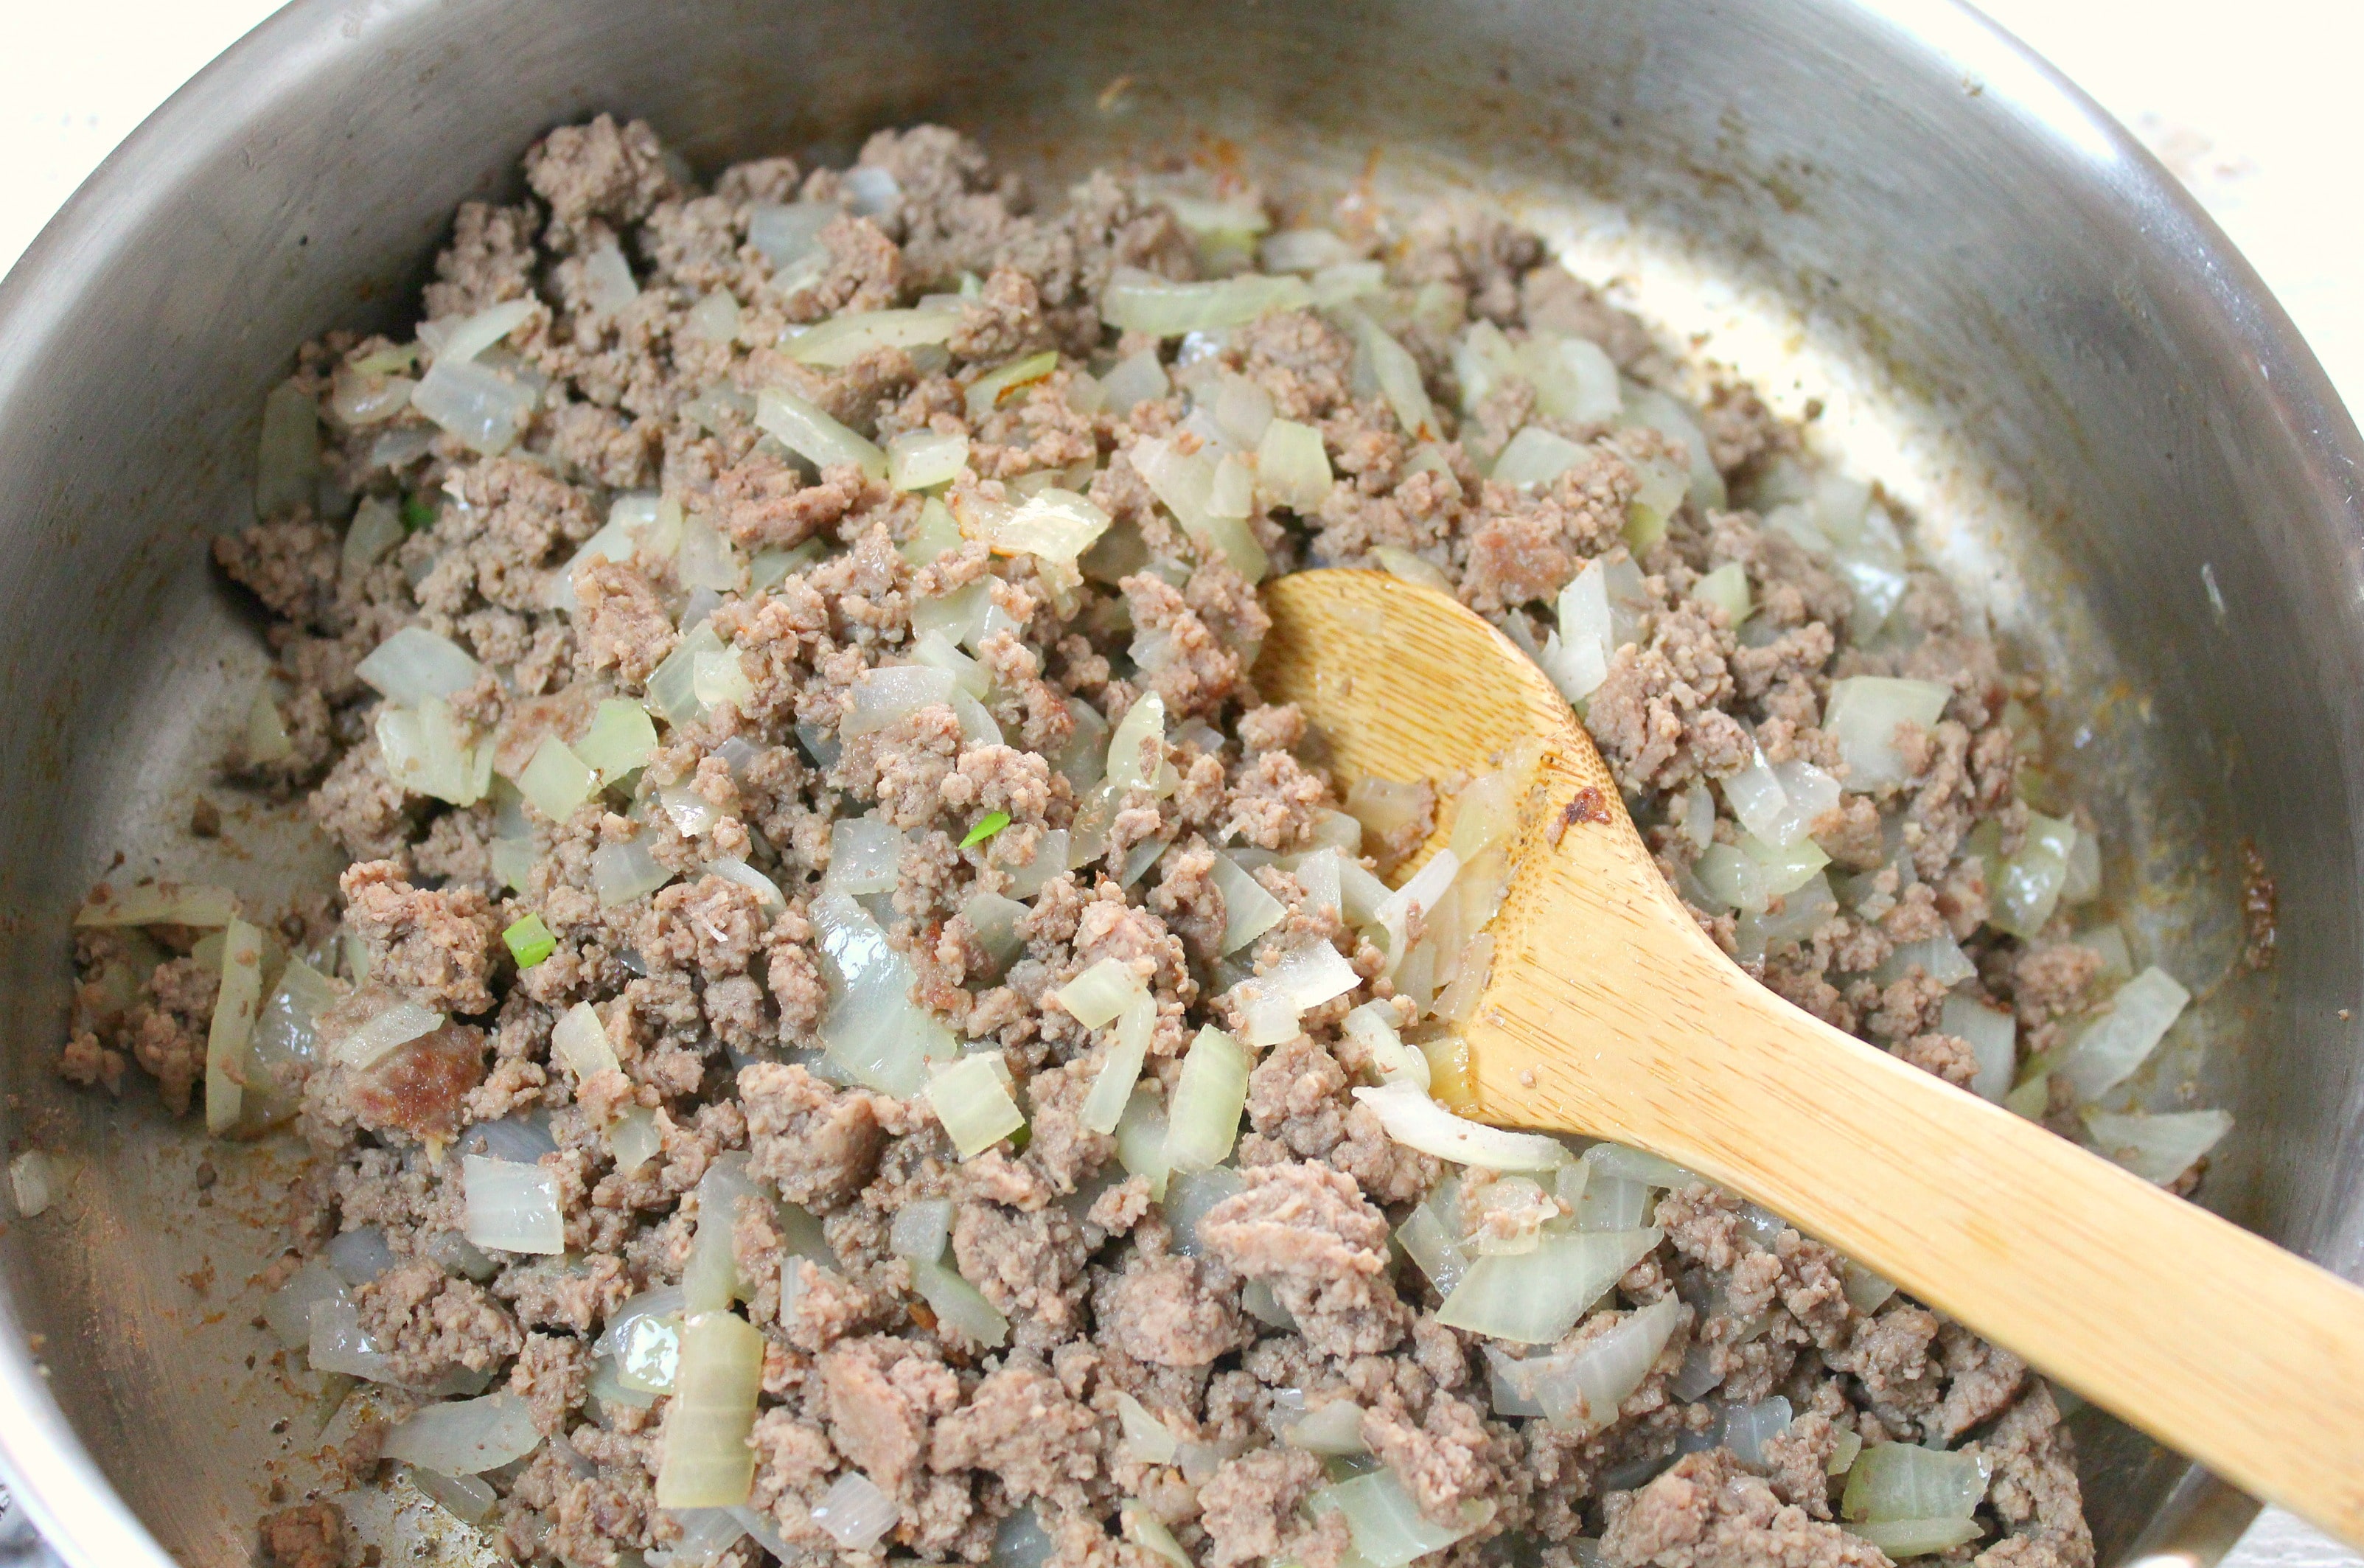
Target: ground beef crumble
775 852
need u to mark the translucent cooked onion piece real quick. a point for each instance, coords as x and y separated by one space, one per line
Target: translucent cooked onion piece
158 903
377 1023
1992 1034
512 1208
465 1436
1373 1025
1748 1428
960 1306
863 853
1248 910
643 1337
1779 802
1128 1050
625 871
464 1497
1145 1530
1386 1526
1535 457
1939 956
1581 1390
805 429
2159 1146
1140 1139
1053 524
1096 997
2122 1037
634 1139
1532 1298
1186 483
475 404
339 1344
1414 1120
1204 1119
1422 891
842 340
710 1281
1904 1481
1625 1164
708 1463
923 459
1332 1427
1136 301
456 340
1292 468
236 1006
854 1512
1146 1438
873 1031
994 387
556 780
1306 976
426 751
1136 750
415 664
973 1104
920 1229
1863 715
1397 374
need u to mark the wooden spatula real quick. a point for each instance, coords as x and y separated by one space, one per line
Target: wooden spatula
1610 1012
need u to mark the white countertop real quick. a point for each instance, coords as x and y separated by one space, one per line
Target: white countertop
2252 111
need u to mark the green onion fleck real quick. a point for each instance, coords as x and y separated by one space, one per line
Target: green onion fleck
530 941
417 513
986 826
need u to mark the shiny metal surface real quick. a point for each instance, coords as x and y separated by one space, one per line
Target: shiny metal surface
2017 322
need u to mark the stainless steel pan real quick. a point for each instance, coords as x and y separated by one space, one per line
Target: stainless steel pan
2110 432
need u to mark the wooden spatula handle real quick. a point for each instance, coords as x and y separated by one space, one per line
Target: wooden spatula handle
2219 1344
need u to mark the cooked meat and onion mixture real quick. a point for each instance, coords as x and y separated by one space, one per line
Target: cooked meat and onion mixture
851 1030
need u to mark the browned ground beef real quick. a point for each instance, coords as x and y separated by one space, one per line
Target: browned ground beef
715 998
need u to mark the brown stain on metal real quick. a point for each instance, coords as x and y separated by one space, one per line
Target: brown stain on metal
2260 905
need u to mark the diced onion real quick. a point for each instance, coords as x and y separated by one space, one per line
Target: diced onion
475 403
579 1041
855 1513
1204 1118
643 1337
465 1436
1397 375
1127 1050
1866 1292
923 459
1140 1139
1904 1480
1056 524
1414 1120
1535 457
1616 1160
789 236
1804 912
1373 1025
377 528
2122 1037
708 1463
2159 1146
842 340
1292 469
1097 996
973 1104
873 1031
512 1208
415 664
1332 1427
2026 889
1148 1439
1148 1532
1607 1202
1248 910
1939 956
235 1006
1532 1298
1779 802
1574 378
1189 1195
1432 1236
920 1229
634 1139
1136 301
424 751
339 1344
607 281
1992 1034
453 342
464 1497
1186 482
1136 752
556 780
805 429
625 871
1135 381
863 853
715 318
1303 250
1424 891
396 1023
287 456
960 1306
1748 1428
1386 1526
710 1279
1863 715
33 1183
1581 1390
1306 976
992 389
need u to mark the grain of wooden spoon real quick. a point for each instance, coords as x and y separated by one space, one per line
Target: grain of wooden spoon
1610 1012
